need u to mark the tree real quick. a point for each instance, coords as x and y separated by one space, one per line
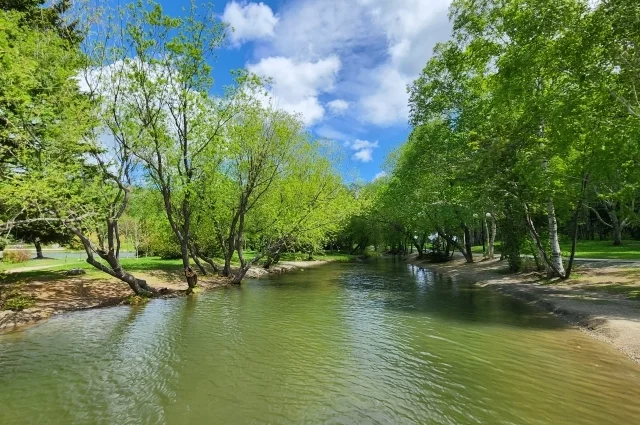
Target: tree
160 67
40 233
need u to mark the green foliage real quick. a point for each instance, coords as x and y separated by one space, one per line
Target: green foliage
16 301
529 114
136 300
514 235
3 243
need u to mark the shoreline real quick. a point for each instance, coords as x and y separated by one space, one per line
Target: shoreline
77 293
608 317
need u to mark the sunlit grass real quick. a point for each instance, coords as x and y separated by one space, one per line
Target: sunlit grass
629 250
36 263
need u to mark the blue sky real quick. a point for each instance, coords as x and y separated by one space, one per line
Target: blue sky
342 64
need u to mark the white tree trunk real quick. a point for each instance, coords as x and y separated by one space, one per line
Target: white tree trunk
556 255
491 233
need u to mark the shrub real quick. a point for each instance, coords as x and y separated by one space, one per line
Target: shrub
17 302
16 256
3 244
135 300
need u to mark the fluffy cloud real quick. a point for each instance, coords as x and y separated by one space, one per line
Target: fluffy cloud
382 45
296 85
363 149
387 104
250 21
338 106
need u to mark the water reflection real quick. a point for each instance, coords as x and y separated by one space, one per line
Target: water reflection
360 343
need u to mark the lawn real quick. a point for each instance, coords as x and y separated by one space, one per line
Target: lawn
55 272
38 263
132 265
629 250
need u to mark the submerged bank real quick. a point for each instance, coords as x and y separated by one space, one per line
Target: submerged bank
80 293
596 300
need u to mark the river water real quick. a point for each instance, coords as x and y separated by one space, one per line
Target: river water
377 343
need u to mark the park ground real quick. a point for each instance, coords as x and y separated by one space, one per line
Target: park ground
601 298
35 290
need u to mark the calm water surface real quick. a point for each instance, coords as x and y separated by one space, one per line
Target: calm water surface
379 343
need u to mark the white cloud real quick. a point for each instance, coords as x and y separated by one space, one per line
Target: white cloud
382 45
380 175
296 85
250 21
363 149
365 155
330 133
338 106
387 104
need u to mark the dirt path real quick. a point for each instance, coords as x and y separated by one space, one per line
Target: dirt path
77 293
585 301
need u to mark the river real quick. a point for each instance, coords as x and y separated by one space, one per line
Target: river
375 343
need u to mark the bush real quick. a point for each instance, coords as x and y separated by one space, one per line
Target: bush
16 301
3 244
135 300
16 256
167 251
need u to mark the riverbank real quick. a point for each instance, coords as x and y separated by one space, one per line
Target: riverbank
601 299
56 296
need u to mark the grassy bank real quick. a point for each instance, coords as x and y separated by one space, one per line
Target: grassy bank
29 293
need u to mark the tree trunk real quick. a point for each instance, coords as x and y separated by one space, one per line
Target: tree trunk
615 225
197 254
419 247
550 265
456 244
196 259
556 254
467 244
190 275
491 235
114 269
38 245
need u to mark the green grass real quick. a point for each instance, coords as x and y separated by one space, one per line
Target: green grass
629 250
17 302
4 266
132 265
478 249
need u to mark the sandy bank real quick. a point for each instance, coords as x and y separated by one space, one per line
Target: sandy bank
586 301
80 293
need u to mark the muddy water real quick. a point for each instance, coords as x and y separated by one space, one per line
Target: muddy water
378 343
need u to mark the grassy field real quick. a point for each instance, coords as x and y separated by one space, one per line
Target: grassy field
629 250
4 266
56 268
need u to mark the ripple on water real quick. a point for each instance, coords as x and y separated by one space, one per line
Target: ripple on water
374 343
